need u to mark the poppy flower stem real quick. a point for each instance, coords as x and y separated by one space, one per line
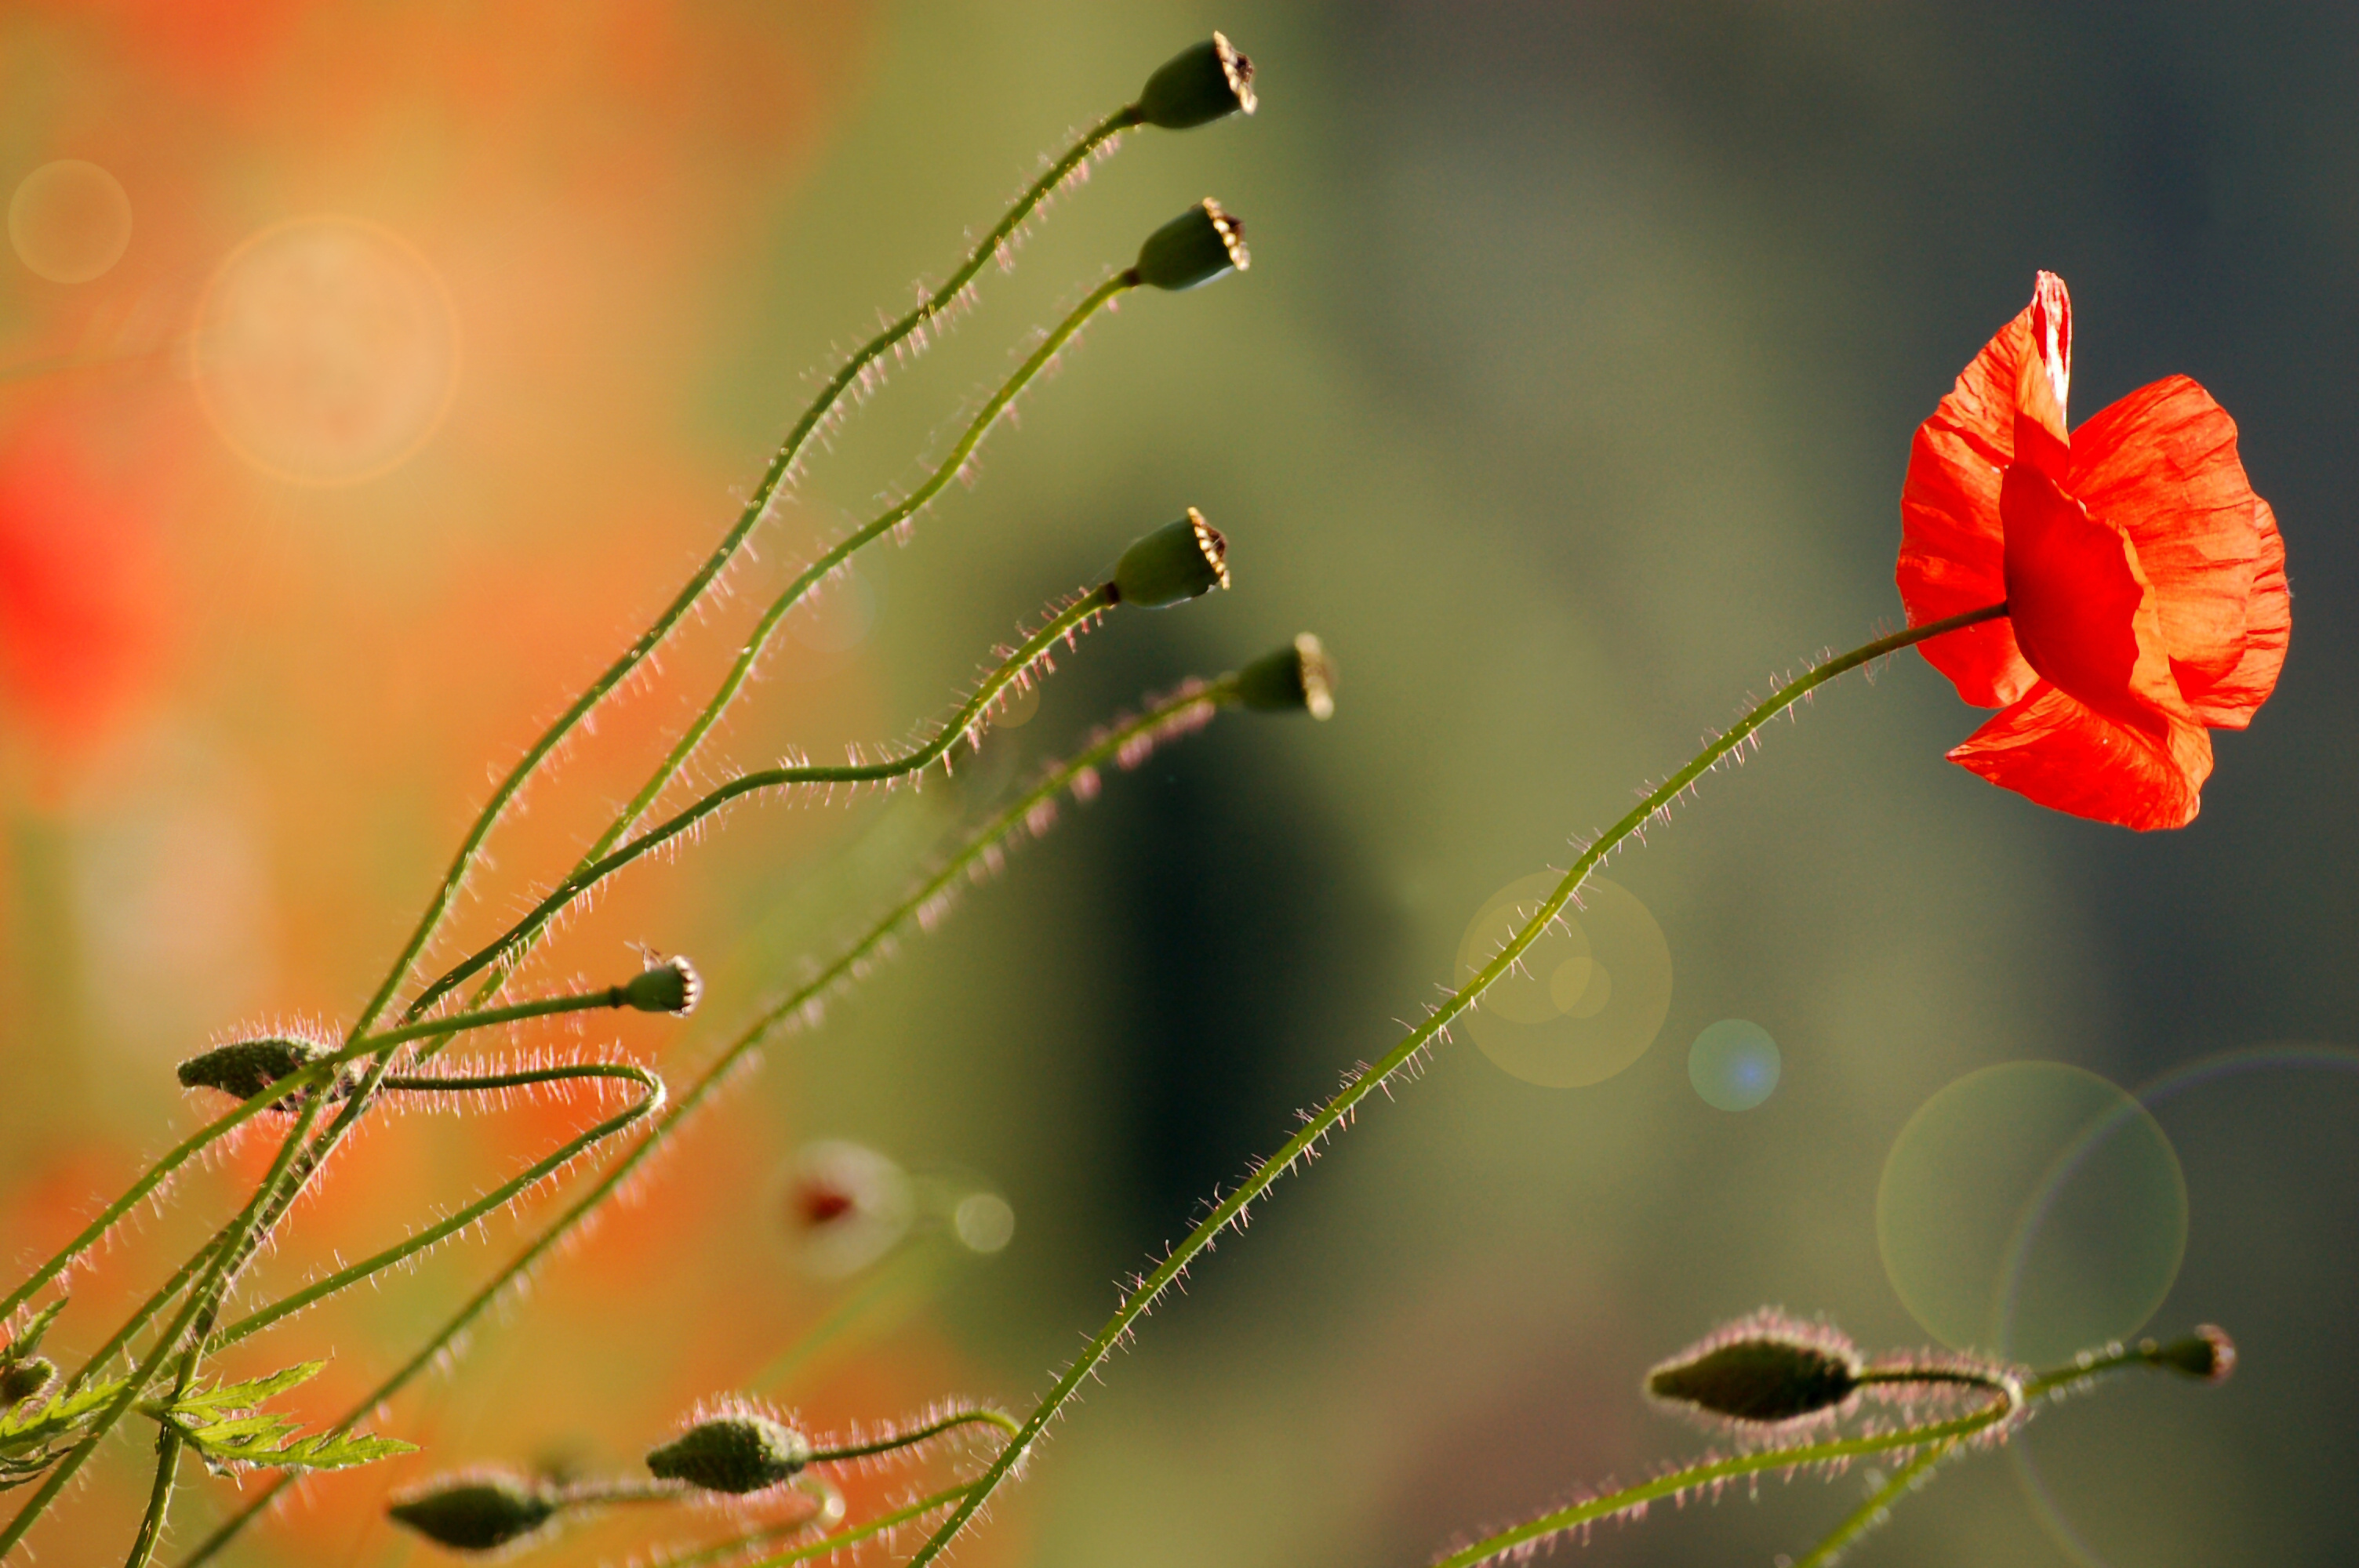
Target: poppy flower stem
1322 1124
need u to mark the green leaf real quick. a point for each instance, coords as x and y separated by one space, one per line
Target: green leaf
33 1425
198 1403
27 1343
226 1427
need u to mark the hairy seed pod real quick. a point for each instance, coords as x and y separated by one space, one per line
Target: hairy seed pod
20 1380
739 1453
480 1513
1297 679
1198 245
1763 1370
1177 562
1201 83
671 985
245 1067
2208 1353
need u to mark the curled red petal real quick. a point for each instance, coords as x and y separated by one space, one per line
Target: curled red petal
2229 702
2059 752
2083 611
2161 466
1951 550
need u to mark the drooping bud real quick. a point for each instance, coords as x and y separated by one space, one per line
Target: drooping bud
2208 1353
20 1380
671 985
1763 1370
1198 245
739 1453
1298 678
1201 83
244 1068
477 1513
1177 562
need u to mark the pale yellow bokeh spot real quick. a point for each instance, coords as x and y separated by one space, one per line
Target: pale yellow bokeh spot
1588 995
326 351
70 220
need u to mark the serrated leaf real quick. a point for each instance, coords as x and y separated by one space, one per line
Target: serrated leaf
263 1430
24 1346
199 1404
32 1426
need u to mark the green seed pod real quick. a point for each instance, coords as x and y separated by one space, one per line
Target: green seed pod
1201 83
1198 245
477 1513
1177 562
246 1068
738 1453
20 1380
1298 678
2208 1353
671 985
1765 1371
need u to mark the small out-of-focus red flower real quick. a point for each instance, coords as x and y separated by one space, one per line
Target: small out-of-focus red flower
2145 582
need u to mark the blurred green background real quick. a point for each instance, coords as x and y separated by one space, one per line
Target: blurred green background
1566 398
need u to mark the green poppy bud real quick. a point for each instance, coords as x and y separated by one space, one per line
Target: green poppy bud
1201 83
2208 1353
1763 1370
477 1513
244 1068
1177 562
671 985
1198 245
740 1451
1298 678
20 1380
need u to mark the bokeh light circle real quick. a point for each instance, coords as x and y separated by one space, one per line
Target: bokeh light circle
326 351
1735 1065
2031 1210
70 220
1590 995
984 1222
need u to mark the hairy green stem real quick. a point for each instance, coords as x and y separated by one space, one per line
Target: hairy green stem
1060 627
1319 1127
1873 1512
1184 706
1007 1423
860 1533
781 464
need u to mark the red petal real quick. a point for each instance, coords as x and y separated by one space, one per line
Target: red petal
2084 612
2062 754
1952 554
2160 465
2228 703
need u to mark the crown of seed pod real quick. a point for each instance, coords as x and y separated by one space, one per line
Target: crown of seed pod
2208 1353
1177 562
740 1452
1201 83
1297 679
1198 245
670 986
20 1380
244 1068
477 1513
1763 1370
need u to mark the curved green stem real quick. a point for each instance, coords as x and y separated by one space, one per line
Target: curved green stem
733 1550
1007 1423
782 462
2008 1402
1060 627
860 1533
1187 706
1322 1125
491 1202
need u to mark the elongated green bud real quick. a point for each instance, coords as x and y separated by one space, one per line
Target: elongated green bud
246 1068
1201 83
1298 678
739 1453
671 985
478 1513
1763 1370
20 1380
2208 1353
1198 245
1177 562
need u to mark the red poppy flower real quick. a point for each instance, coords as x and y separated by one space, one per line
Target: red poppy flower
2144 580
